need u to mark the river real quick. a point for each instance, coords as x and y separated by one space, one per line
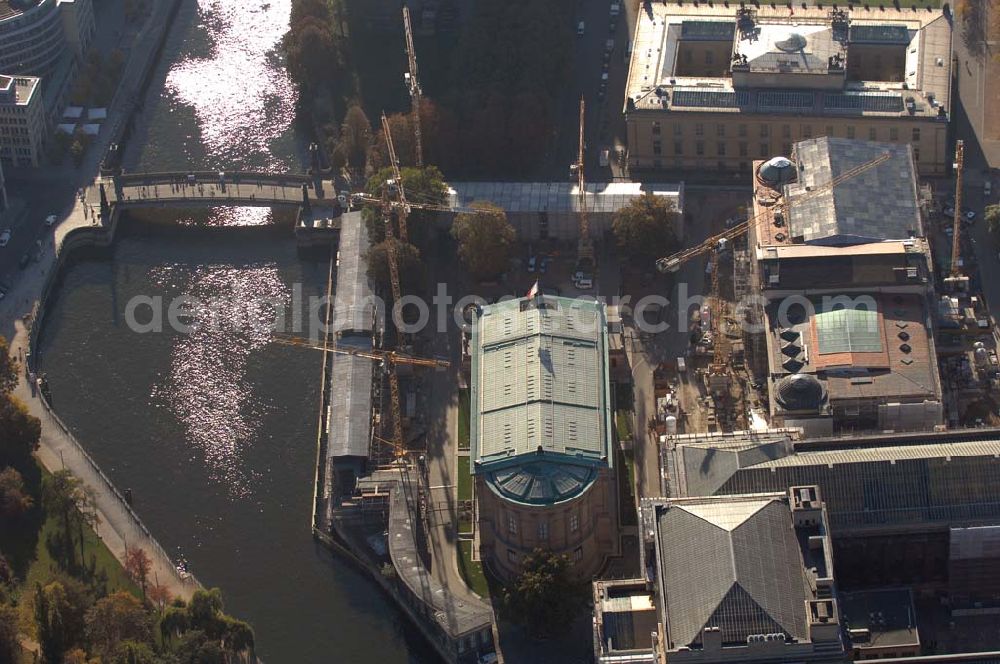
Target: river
214 430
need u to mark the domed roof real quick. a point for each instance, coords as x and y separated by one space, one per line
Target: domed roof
542 482
777 171
800 392
792 43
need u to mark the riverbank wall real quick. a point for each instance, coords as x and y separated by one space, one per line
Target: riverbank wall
147 50
119 526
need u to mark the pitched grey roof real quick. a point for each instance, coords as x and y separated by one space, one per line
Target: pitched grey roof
353 303
349 416
878 204
731 564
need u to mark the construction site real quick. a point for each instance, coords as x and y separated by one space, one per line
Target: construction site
844 302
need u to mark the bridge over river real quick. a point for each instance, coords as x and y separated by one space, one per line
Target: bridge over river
214 188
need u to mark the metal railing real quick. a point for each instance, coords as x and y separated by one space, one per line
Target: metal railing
187 578
32 362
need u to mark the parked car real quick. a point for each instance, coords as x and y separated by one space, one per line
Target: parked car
50 220
615 8
5 237
24 260
987 188
531 263
609 46
580 28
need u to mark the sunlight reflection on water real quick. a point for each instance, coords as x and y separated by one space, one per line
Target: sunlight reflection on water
207 387
242 98
243 101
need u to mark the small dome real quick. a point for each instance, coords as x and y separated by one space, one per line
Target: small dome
777 171
800 392
793 43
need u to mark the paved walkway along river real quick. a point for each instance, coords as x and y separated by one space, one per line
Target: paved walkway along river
119 528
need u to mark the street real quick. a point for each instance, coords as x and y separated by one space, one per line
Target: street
605 124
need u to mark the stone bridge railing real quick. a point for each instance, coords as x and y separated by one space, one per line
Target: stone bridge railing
235 177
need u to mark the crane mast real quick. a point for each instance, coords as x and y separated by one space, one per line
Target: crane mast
956 248
403 206
585 248
414 85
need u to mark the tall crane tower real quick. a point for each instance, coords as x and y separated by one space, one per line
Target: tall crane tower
403 207
585 248
413 83
956 246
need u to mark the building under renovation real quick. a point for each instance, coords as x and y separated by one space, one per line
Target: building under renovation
845 341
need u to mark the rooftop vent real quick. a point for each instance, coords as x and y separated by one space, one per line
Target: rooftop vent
792 364
789 335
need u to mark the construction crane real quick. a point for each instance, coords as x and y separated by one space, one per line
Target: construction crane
585 247
956 248
391 359
403 207
718 371
673 262
414 84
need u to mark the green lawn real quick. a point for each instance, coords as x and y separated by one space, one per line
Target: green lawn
472 571
464 479
43 566
463 419
626 484
623 423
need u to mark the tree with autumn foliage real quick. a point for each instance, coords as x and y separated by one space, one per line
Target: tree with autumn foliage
485 239
137 566
646 228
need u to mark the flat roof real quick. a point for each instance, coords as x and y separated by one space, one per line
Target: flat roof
600 197
540 396
788 48
653 82
884 353
886 614
24 88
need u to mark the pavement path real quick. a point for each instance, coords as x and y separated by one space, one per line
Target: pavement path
119 528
